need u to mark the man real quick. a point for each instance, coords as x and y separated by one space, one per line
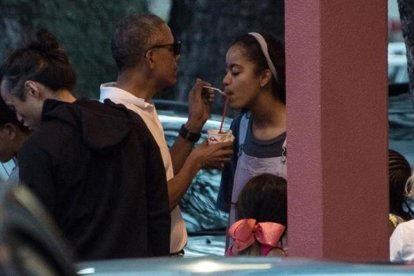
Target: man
12 136
146 55
108 202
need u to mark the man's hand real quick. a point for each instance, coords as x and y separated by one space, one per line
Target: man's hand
199 103
212 155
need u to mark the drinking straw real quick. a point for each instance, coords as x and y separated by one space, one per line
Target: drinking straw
223 114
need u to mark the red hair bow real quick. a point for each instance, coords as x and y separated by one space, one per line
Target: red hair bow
244 232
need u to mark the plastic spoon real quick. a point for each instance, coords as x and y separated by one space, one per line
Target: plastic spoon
215 89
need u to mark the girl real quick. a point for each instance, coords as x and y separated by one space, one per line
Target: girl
262 214
255 83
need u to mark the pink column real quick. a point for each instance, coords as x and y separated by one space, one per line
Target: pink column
337 129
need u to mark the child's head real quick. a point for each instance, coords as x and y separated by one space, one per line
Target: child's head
409 187
12 133
264 198
409 196
399 171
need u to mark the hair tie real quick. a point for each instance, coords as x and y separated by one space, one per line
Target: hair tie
245 231
263 45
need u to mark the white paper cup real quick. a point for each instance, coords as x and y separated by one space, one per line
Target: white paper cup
215 137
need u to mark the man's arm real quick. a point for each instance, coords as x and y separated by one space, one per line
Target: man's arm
199 101
179 153
201 156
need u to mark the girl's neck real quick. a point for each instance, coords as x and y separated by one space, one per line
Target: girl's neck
269 121
64 95
268 110
274 114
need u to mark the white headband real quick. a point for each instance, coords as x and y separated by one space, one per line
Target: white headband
263 46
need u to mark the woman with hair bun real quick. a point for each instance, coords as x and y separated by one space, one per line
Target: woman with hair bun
94 166
40 62
254 83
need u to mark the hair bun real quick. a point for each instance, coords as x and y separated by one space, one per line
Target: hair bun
45 43
42 41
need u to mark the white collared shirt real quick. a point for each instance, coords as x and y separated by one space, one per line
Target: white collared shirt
148 113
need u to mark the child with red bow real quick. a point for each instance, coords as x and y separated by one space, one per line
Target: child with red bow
262 218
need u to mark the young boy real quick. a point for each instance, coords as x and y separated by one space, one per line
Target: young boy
12 136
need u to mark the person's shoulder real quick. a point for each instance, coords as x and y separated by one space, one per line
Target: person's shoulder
107 108
403 231
235 124
238 118
88 103
407 225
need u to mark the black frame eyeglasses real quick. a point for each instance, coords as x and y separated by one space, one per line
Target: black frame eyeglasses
175 47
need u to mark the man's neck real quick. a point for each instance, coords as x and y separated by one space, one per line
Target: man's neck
138 85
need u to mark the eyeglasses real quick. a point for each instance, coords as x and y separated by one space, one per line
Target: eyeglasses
175 47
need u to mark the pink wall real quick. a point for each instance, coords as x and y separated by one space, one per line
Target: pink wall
337 128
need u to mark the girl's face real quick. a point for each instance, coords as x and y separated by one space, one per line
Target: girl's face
29 111
241 83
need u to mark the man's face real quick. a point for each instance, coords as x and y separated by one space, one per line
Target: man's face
28 111
166 62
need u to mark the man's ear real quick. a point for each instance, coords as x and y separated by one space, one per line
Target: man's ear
149 58
31 88
265 78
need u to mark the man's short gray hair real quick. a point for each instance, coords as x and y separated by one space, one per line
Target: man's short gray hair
133 35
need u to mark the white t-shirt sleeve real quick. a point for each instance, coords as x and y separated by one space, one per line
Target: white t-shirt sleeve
402 243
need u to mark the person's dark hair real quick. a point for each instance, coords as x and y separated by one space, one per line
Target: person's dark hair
255 55
41 59
133 35
264 198
7 115
399 171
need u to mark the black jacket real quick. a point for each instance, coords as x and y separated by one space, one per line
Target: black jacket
98 171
